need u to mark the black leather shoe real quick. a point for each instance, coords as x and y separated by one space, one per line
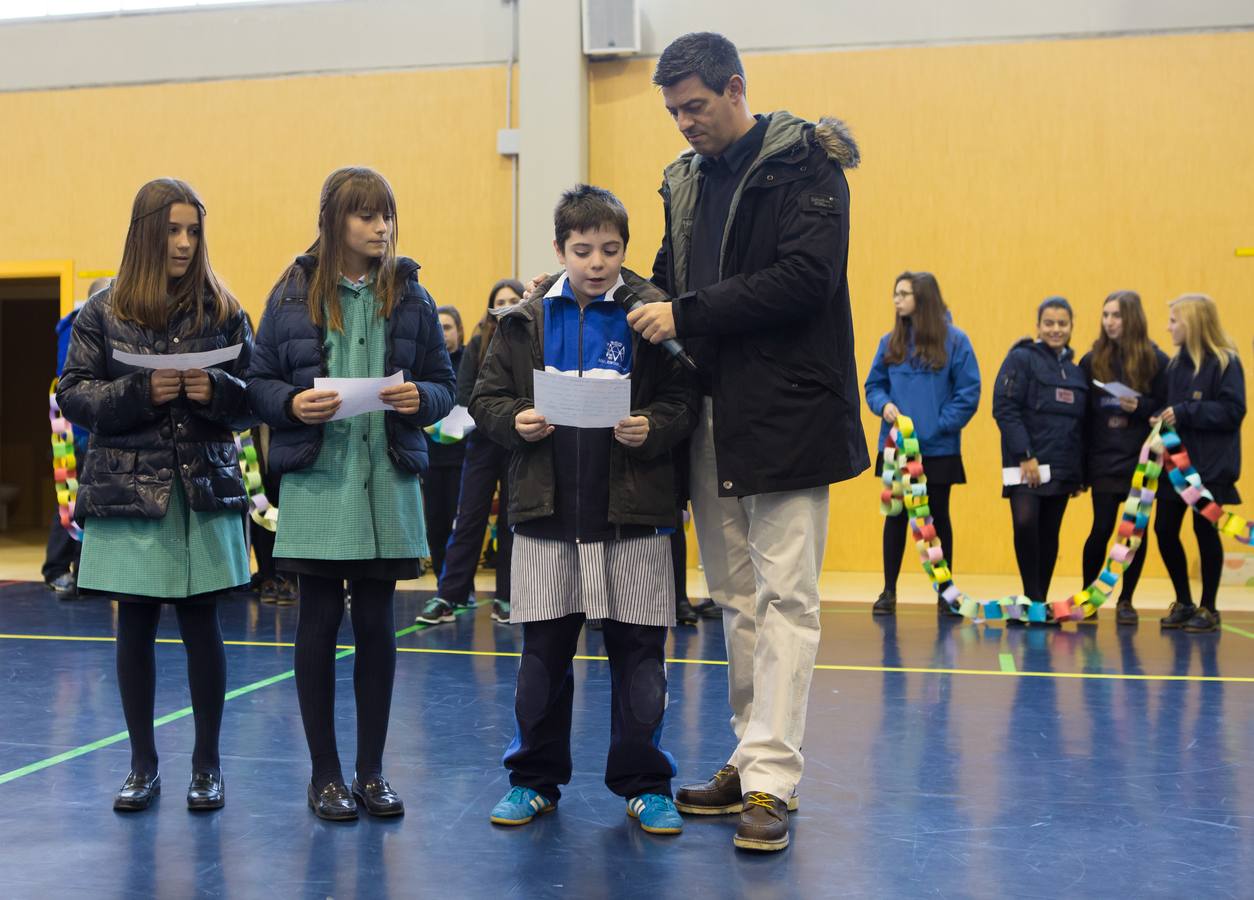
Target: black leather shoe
206 791
763 823
684 613
378 797
137 792
1178 614
333 802
708 609
1125 613
1203 621
885 604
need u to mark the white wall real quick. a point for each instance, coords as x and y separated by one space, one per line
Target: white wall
351 35
242 42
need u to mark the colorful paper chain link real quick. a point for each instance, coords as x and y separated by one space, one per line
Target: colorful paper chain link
64 464
905 487
262 511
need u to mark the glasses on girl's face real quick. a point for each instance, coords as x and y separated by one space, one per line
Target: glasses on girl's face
902 294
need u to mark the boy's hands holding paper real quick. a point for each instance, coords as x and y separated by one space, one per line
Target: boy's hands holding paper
632 431
531 426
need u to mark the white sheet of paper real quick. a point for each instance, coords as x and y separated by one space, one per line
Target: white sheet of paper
180 361
582 402
457 424
358 395
1012 475
1116 389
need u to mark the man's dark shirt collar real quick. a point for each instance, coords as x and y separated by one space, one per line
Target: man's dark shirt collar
741 151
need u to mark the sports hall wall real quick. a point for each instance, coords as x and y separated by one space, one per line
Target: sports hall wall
1011 170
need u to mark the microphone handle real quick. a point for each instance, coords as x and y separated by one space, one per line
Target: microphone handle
673 347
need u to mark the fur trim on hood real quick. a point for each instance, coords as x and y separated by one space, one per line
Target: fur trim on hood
835 137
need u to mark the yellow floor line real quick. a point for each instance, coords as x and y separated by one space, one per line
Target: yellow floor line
907 670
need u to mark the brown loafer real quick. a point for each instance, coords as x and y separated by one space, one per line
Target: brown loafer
137 792
763 823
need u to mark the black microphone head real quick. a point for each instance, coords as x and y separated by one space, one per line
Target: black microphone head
625 296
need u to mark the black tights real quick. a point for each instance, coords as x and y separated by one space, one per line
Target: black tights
895 528
137 678
1167 527
1106 510
374 668
1037 521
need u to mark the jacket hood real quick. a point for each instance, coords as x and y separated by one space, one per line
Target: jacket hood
1068 352
405 267
783 131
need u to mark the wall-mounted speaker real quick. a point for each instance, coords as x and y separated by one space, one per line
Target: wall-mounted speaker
611 27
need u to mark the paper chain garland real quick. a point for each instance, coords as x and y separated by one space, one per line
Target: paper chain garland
64 464
262 511
905 487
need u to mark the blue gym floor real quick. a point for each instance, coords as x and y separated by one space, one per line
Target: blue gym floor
952 761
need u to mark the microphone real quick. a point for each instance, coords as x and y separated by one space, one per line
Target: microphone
626 298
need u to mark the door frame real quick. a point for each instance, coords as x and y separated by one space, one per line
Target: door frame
62 269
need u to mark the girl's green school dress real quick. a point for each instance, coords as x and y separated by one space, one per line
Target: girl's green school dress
353 514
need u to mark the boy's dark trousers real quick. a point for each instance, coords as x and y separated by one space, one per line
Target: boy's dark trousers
486 465
62 552
539 757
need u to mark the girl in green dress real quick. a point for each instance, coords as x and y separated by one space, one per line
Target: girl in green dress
352 506
161 498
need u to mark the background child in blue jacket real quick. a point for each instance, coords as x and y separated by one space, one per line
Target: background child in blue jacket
1116 428
1205 404
925 369
1039 403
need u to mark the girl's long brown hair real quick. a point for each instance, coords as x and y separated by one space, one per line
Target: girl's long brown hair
143 291
487 325
928 325
348 191
1133 349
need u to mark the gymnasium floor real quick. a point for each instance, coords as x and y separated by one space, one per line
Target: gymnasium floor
942 761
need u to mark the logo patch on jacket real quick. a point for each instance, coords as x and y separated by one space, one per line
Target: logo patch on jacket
1062 395
1117 422
615 352
1197 395
823 204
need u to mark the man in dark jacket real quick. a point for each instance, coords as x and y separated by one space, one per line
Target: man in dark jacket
755 252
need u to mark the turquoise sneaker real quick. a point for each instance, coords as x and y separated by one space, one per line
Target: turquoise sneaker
657 814
520 806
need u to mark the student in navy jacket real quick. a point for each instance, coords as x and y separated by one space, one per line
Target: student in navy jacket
1116 428
1205 404
925 369
1039 404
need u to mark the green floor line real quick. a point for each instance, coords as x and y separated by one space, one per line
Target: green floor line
158 722
1007 661
1235 630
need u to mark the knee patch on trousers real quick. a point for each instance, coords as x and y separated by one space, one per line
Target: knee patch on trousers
646 692
531 696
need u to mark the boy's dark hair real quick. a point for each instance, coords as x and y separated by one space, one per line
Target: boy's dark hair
587 208
707 54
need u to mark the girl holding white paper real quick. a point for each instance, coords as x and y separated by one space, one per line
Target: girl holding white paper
352 504
1205 404
161 497
1039 403
1116 428
926 369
